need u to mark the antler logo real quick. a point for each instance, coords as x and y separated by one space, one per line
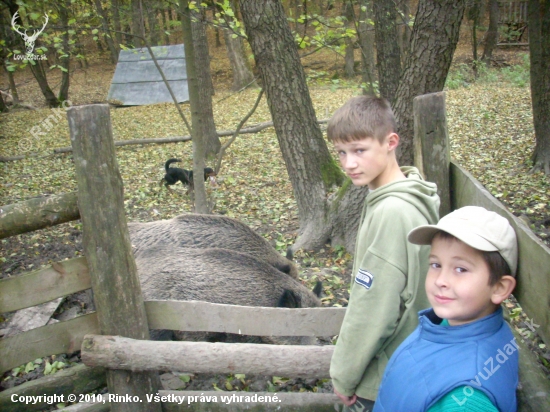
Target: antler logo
29 40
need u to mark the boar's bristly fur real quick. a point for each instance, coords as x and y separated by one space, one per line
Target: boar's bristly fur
220 276
207 231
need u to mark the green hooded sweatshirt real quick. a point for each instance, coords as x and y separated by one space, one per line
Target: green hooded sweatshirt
387 288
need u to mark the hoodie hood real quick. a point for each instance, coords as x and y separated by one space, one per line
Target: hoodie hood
414 189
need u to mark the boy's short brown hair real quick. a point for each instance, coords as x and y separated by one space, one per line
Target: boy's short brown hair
361 117
494 260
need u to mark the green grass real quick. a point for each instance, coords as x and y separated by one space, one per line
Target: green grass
463 76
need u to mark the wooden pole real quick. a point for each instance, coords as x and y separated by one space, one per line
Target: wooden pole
37 213
76 380
116 352
117 291
431 144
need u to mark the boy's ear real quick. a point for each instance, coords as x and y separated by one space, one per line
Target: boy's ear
502 289
393 141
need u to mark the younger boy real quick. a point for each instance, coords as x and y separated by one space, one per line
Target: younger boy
462 356
388 273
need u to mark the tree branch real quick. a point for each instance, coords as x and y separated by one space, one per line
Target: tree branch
243 121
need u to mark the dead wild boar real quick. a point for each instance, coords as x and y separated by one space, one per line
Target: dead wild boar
220 276
207 231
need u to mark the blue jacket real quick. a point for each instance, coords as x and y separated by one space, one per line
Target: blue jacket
435 359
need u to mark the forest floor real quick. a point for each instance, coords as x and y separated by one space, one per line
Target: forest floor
491 133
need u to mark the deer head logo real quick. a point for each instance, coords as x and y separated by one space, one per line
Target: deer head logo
29 40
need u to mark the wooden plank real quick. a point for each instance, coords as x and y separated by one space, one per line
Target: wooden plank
61 337
106 241
115 352
175 401
432 153
533 288
88 407
534 390
76 380
249 401
34 288
200 316
37 213
246 320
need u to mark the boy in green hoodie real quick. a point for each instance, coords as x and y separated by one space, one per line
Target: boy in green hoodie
387 288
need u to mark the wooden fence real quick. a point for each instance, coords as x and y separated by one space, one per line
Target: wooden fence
119 356
513 21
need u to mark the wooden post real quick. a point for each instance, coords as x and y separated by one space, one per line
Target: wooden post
431 144
117 291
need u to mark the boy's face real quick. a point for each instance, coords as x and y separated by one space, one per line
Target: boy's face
457 283
367 161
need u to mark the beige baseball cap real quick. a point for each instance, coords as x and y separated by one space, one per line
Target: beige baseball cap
478 228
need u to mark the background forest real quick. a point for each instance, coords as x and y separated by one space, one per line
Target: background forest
492 62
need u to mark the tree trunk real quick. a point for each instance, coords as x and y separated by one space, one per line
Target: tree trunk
39 73
404 29
539 48
346 206
207 128
242 74
434 38
99 46
79 49
3 107
40 76
118 27
105 26
199 148
474 13
137 23
491 37
166 26
365 33
387 47
217 29
13 87
63 94
311 169
349 59
151 9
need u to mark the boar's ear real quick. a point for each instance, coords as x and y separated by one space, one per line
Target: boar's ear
161 334
318 289
283 267
289 253
289 299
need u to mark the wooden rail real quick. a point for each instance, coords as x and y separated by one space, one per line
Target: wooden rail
33 288
66 337
115 352
533 287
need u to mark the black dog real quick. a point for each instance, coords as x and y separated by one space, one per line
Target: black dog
175 174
